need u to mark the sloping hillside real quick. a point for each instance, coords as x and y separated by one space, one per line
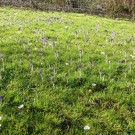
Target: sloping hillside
66 73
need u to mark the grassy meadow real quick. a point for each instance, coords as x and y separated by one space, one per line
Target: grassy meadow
66 74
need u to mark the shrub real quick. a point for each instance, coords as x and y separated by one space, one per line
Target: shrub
114 7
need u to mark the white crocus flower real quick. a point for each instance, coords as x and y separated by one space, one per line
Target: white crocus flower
86 127
132 56
102 53
20 106
93 84
35 48
0 117
66 27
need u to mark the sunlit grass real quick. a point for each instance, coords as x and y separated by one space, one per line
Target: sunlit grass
66 73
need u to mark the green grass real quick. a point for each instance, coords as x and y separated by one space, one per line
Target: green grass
69 71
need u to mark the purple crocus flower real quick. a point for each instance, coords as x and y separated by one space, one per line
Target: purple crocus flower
77 43
52 79
112 40
54 70
56 53
97 27
20 28
131 65
40 72
81 52
100 70
76 33
53 44
126 71
31 65
1 97
79 66
44 40
1 56
41 52
66 75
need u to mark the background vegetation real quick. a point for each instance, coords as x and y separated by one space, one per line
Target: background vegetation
116 8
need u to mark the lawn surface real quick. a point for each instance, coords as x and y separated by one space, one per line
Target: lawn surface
66 74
